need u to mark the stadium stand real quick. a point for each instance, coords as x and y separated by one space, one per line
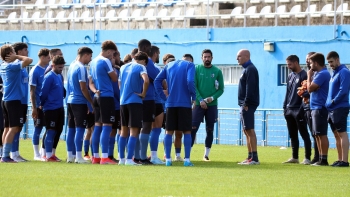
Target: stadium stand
148 14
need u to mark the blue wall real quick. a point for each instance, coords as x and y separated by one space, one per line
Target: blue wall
224 42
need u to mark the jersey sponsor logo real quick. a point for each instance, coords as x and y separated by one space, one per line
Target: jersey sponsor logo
25 80
84 123
21 120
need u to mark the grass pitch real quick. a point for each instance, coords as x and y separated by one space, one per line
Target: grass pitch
220 177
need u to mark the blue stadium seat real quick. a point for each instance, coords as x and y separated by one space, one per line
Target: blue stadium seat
118 3
64 5
170 3
144 3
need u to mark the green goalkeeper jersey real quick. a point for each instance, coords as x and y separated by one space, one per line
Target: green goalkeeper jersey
209 83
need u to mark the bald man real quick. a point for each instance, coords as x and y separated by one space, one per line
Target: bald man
248 100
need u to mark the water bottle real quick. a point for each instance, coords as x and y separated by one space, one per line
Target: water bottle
216 84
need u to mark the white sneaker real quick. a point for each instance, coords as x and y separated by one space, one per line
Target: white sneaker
306 162
19 156
157 161
243 162
292 160
178 158
121 162
70 160
81 161
131 163
252 162
37 158
18 159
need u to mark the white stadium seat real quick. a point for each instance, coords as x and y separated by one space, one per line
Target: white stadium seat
235 11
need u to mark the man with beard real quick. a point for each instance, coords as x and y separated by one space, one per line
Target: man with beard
318 89
307 112
159 114
294 111
338 107
209 87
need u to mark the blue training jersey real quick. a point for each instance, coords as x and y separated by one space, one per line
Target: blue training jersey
318 98
157 97
25 87
36 77
339 87
131 83
51 96
92 97
181 86
116 92
12 82
152 72
76 73
100 67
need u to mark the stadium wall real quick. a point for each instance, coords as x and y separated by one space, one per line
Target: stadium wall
224 42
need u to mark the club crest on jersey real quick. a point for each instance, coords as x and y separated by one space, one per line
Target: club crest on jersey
297 80
112 119
212 75
52 124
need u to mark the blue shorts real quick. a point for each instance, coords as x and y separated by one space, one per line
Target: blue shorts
319 121
247 117
338 119
210 114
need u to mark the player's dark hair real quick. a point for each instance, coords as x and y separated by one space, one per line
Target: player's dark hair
43 52
108 45
58 60
134 51
127 58
293 58
332 54
154 49
84 50
187 55
19 46
54 51
141 56
207 51
6 50
319 58
143 43
168 56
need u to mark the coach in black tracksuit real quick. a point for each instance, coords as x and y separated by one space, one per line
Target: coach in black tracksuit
294 111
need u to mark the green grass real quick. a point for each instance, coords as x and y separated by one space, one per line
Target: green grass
220 177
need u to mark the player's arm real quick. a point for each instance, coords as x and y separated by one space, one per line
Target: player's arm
344 87
92 86
220 89
252 82
113 75
190 81
26 61
82 83
85 91
158 83
33 100
311 86
144 76
45 89
32 84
